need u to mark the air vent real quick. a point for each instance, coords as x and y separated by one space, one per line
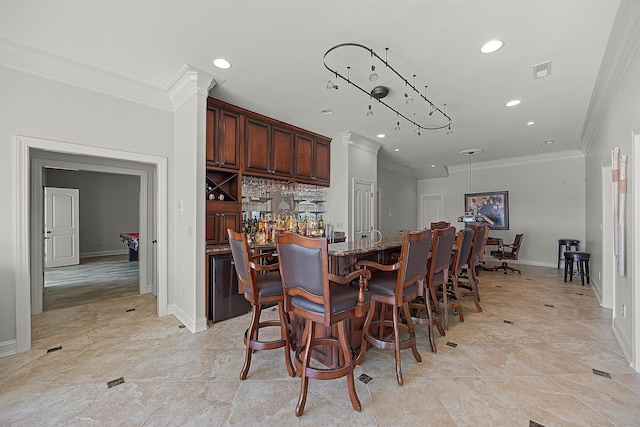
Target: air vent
542 70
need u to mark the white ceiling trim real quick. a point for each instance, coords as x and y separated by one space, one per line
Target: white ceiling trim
385 164
623 42
361 142
53 67
189 81
521 161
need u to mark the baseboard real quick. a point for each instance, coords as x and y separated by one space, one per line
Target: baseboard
190 324
8 348
522 261
623 341
103 253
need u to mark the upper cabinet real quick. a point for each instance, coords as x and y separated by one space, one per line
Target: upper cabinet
268 149
223 138
313 159
262 146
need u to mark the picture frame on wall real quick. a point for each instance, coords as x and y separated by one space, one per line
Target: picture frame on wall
492 204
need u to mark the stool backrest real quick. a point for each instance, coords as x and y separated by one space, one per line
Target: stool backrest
240 253
464 240
441 247
304 263
415 256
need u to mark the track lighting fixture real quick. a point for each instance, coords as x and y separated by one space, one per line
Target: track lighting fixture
373 76
426 115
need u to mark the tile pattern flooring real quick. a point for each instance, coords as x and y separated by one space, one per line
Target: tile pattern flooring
537 370
94 279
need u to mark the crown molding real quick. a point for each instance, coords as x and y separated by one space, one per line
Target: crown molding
521 161
386 164
624 42
361 142
190 80
43 64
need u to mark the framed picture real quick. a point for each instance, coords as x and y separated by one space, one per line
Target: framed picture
492 204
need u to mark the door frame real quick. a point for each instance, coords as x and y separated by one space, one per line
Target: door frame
145 258
25 241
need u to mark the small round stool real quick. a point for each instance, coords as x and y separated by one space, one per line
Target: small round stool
567 243
582 262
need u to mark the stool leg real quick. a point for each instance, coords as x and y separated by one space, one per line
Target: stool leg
586 267
559 252
570 269
581 271
566 270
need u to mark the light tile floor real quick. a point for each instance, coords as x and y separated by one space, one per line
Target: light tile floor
537 370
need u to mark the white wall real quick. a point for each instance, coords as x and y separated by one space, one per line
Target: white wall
44 108
546 200
109 205
398 191
352 157
619 93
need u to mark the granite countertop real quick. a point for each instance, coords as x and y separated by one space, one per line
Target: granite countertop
335 249
364 246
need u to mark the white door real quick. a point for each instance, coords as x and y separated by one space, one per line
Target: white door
61 229
430 209
362 209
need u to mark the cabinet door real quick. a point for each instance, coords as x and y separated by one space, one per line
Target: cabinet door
227 141
227 220
282 152
211 229
256 146
212 134
304 153
217 224
322 162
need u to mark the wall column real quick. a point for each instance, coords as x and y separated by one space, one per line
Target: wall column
188 92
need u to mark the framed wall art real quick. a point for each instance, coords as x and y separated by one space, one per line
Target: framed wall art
492 204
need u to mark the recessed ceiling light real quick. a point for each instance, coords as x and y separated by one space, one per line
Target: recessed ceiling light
222 63
549 141
433 166
492 46
513 103
530 123
381 135
397 149
327 111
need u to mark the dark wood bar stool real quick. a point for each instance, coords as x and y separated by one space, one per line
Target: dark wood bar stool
567 244
261 286
325 302
582 262
394 286
436 277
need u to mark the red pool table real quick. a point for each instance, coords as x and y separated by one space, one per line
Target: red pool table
131 240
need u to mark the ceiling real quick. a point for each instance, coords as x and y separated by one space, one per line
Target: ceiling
276 49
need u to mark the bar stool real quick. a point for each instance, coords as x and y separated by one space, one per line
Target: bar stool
568 244
582 261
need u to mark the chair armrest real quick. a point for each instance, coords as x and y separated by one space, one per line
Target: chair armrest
382 267
260 267
356 274
363 277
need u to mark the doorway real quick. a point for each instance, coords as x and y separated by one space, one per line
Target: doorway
61 227
108 205
29 247
363 203
431 209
